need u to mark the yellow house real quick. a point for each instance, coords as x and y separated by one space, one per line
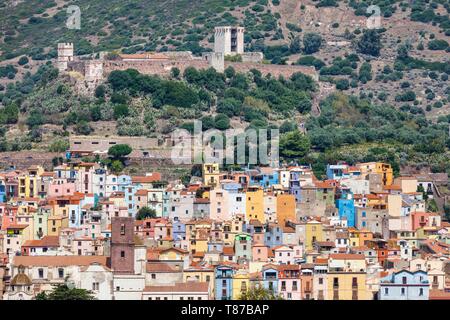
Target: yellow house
199 245
28 182
383 169
255 204
55 224
200 274
211 174
407 184
427 233
241 283
354 239
359 237
173 254
166 242
313 233
347 286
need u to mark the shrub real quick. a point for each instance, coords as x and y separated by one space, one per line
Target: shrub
342 84
23 61
312 42
437 45
370 43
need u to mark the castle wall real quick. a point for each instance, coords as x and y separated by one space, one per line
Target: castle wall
163 68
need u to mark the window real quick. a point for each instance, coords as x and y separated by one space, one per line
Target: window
61 272
95 286
404 280
122 229
386 291
122 254
153 276
41 273
335 282
421 292
403 291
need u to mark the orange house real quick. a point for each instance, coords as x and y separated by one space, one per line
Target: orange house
285 208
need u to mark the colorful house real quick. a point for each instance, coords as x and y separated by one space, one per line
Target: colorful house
224 282
405 285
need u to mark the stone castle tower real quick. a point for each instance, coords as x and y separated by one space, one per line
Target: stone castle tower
65 54
229 40
122 245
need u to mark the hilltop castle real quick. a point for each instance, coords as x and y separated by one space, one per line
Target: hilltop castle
229 41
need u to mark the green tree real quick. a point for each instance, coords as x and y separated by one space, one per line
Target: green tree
9 114
100 91
221 121
259 293
59 145
23 60
432 206
370 43
447 211
294 145
120 110
83 128
64 292
312 42
421 189
35 119
119 151
175 72
145 212
117 166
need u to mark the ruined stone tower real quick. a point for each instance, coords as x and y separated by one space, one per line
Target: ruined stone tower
65 54
229 40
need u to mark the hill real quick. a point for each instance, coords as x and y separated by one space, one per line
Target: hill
399 70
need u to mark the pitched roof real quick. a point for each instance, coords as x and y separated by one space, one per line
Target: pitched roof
59 261
347 256
160 267
228 251
47 241
201 287
155 176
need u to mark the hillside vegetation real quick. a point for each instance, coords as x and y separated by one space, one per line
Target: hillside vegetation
390 102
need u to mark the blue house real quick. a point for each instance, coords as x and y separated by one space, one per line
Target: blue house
270 278
266 177
224 282
346 207
294 184
405 285
336 171
273 235
341 171
215 246
2 193
178 230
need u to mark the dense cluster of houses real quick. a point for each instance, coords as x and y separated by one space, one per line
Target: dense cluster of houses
359 234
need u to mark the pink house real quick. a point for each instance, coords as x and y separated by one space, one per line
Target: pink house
425 219
61 187
162 230
419 219
284 255
260 253
146 227
7 215
289 282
